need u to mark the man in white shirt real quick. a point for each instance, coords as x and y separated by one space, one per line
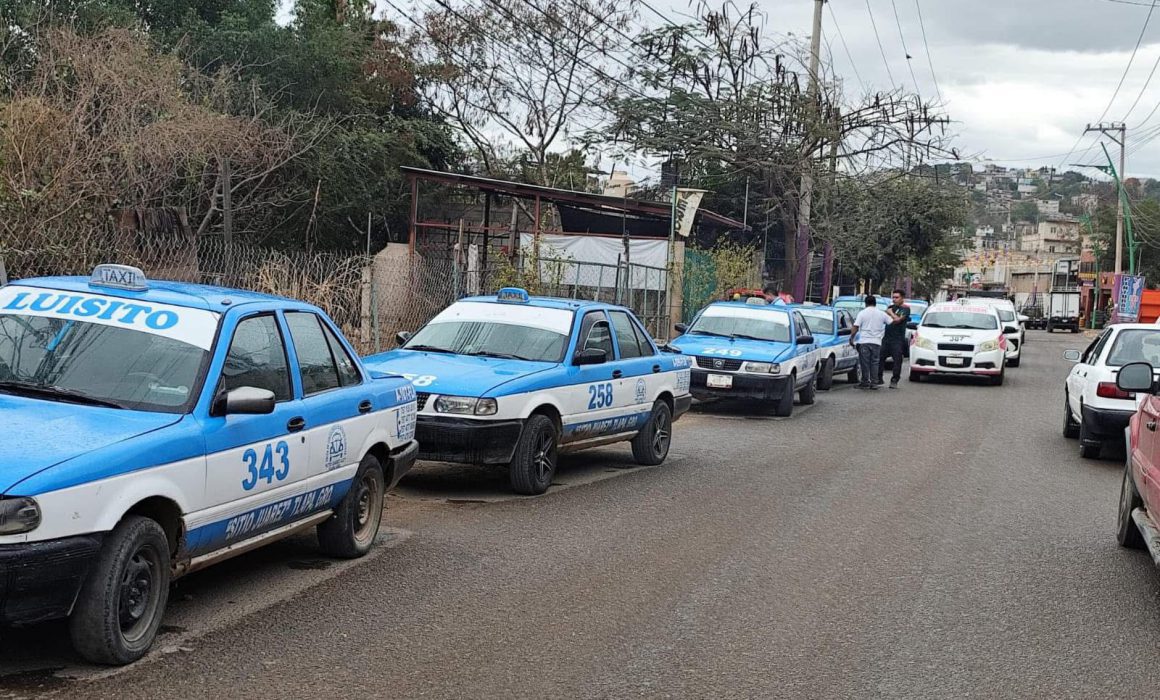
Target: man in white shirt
869 327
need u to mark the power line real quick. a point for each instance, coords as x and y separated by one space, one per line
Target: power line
929 60
846 47
1142 90
881 50
905 51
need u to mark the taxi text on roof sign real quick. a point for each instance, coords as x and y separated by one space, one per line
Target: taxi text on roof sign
512 295
119 277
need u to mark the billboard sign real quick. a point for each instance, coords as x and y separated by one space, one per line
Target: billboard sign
1128 291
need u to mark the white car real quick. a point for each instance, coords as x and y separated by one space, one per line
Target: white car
959 337
1012 326
1095 409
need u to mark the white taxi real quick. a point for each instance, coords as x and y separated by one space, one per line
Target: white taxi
959 337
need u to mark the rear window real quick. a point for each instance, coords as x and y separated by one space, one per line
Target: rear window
1139 345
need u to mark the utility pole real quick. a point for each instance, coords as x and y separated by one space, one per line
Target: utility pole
1109 130
802 248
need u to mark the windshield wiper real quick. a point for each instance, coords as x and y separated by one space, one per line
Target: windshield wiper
428 348
719 335
933 325
967 327
752 337
57 392
500 355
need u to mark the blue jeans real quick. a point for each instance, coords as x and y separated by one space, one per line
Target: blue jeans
868 362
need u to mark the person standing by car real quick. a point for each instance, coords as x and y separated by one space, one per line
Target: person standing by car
869 327
894 339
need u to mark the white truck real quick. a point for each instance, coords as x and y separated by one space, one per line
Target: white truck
1063 309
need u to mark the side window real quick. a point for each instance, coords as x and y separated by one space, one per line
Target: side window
347 369
642 340
843 321
595 333
257 358
314 359
799 322
1093 351
625 335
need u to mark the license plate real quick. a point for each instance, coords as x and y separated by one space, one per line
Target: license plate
956 361
719 381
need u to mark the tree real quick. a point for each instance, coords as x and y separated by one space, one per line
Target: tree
1025 211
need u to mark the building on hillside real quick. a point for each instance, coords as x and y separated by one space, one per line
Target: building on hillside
1052 234
1086 202
1047 206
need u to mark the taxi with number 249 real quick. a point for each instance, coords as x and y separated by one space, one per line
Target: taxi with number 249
514 379
154 428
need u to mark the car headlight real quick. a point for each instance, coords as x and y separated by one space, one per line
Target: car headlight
988 345
762 367
466 405
18 515
924 343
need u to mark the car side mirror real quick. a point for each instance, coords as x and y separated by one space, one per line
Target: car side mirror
681 327
805 340
1010 329
1072 355
912 326
1135 377
245 400
402 337
845 331
591 356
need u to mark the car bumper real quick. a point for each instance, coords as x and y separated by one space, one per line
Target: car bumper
925 361
402 459
467 440
1105 422
40 580
745 386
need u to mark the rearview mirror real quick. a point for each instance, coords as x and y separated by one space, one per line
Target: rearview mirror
1072 355
912 326
845 331
591 356
681 327
1136 376
402 337
805 340
245 400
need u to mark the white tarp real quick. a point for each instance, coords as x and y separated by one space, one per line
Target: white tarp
604 250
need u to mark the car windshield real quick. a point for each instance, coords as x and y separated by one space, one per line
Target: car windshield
852 306
1140 345
739 322
83 362
488 338
916 311
819 321
960 319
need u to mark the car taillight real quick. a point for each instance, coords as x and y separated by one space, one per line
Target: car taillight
1109 390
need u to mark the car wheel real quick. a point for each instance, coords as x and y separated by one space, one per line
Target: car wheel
852 376
1127 533
537 453
1070 427
808 393
1013 362
1089 446
997 380
119 609
915 376
651 444
784 406
826 376
350 532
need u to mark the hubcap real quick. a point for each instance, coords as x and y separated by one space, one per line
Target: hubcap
660 439
138 593
543 459
368 505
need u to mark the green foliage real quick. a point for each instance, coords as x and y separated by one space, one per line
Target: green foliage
710 273
1025 211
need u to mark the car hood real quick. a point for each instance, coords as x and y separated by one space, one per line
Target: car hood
737 348
455 375
40 434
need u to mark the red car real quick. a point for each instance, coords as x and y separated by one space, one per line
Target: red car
1137 521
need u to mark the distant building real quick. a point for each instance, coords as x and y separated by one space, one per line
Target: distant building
1047 206
619 184
1086 202
1052 234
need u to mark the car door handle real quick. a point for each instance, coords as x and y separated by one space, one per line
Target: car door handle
656 368
616 374
365 406
295 424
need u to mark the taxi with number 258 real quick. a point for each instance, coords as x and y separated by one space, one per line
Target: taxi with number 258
514 379
154 428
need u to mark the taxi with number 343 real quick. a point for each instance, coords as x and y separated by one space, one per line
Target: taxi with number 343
514 379
154 428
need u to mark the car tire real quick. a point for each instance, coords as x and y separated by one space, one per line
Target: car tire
1075 329
1089 447
783 408
350 532
826 376
808 393
1014 362
650 447
1127 533
852 375
997 380
537 455
914 376
1070 427
133 568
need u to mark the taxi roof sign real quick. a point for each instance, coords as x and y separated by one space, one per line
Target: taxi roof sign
512 295
756 301
119 277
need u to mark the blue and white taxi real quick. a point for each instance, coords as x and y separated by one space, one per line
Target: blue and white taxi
153 428
751 350
513 379
831 328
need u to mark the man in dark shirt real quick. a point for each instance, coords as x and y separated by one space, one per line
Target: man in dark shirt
894 341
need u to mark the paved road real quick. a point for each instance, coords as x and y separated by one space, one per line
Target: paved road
942 540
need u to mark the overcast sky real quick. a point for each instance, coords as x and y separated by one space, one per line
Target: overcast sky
1020 78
